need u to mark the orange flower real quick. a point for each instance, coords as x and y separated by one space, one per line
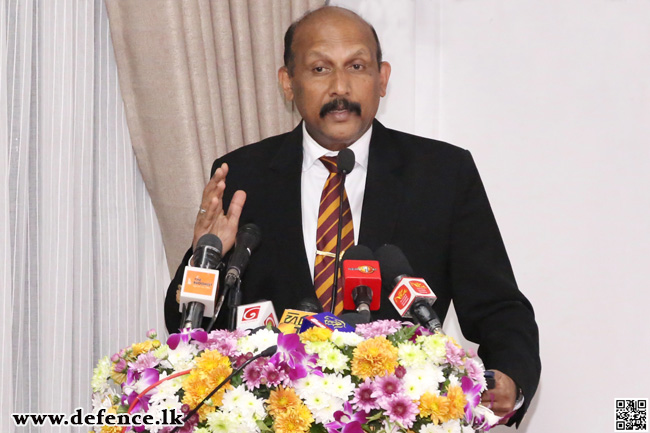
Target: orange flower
282 399
211 369
294 420
374 357
457 402
435 407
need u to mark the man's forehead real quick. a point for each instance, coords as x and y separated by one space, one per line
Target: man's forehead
320 51
317 35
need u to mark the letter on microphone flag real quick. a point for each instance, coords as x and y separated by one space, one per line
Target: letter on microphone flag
291 321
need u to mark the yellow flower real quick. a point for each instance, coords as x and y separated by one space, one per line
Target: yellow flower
140 348
196 388
297 419
435 407
118 378
282 399
111 429
211 369
457 402
316 334
374 357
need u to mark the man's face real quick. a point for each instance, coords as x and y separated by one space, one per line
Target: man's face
336 82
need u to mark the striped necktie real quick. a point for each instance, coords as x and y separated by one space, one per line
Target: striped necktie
328 218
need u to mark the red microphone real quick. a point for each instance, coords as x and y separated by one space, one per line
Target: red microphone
361 280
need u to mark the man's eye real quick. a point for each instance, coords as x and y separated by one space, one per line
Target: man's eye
357 67
319 69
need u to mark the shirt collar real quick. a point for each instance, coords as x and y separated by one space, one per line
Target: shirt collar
312 150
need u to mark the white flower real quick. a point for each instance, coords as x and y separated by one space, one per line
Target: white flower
240 401
100 374
182 358
411 355
255 343
453 380
490 417
339 386
434 347
223 422
419 380
342 339
332 358
162 352
452 426
323 406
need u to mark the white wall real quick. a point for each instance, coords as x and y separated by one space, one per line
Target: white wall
553 99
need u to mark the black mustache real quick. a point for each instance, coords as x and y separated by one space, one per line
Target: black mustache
341 104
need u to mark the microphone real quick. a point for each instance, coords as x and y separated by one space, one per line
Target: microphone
344 164
361 281
411 297
291 320
247 239
269 351
255 315
200 282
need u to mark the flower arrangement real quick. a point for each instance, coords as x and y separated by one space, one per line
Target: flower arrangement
387 376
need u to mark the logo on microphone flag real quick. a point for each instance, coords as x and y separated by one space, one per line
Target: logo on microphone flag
325 320
251 313
409 290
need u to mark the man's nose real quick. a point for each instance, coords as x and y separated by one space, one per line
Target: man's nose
340 84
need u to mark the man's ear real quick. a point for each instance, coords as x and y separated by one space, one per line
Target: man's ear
384 75
285 82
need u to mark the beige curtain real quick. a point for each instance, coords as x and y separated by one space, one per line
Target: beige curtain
199 79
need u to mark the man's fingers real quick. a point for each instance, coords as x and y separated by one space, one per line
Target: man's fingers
501 398
236 206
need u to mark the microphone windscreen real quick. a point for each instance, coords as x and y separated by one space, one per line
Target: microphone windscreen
310 305
358 252
345 161
250 235
209 239
392 263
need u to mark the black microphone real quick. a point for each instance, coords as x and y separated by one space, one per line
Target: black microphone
344 165
207 255
248 238
310 305
396 271
269 351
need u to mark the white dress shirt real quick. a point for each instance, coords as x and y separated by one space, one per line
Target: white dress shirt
314 175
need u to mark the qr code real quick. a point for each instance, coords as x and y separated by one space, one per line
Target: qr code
631 414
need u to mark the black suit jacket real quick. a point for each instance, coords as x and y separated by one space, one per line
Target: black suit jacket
422 195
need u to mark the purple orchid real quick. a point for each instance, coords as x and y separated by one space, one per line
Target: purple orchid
347 421
186 335
472 393
291 352
148 377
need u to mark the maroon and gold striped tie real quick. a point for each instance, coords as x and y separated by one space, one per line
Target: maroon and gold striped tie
328 218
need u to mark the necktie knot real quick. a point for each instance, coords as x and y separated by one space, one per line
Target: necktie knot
330 163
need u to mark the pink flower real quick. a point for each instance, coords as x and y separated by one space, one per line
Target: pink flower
454 354
474 370
401 409
146 360
386 386
363 399
223 341
380 327
273 375
253 373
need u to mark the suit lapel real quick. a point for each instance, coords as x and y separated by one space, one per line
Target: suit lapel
286 206
384 190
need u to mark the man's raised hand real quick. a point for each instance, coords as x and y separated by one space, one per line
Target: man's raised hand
211 217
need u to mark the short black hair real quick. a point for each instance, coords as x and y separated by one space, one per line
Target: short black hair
288 39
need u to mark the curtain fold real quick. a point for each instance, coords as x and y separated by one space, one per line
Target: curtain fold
199 79
82 265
